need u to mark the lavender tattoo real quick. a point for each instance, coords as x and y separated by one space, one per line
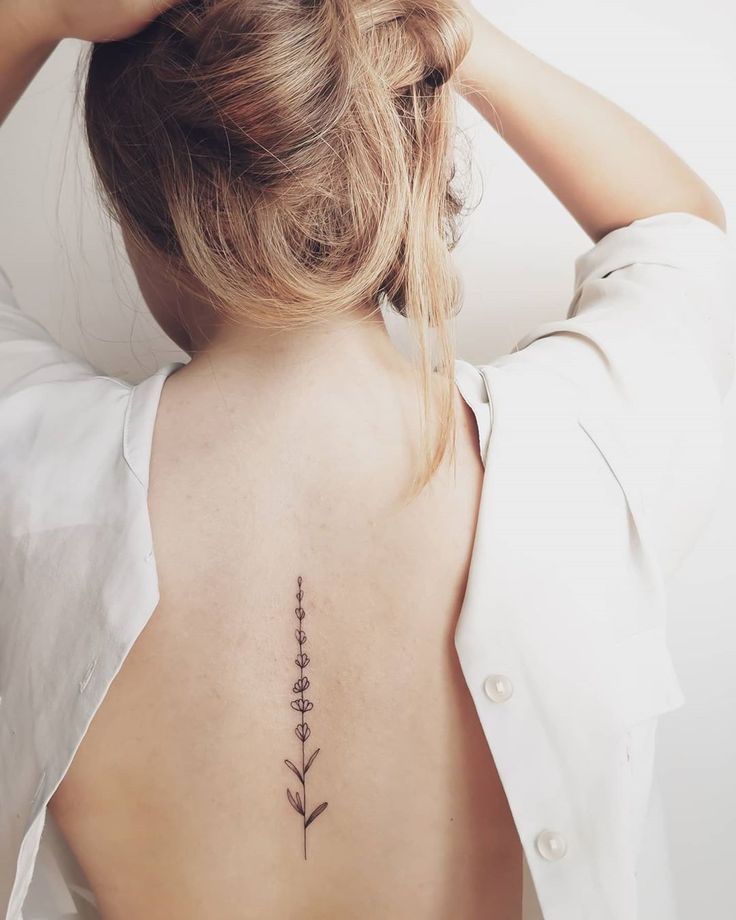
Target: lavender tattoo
303 731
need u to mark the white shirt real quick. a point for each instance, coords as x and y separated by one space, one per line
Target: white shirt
602 465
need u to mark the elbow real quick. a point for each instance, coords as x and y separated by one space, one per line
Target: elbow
712 209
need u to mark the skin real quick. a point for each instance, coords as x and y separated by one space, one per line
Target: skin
174 803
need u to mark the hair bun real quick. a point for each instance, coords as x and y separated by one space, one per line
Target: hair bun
416 44
255 81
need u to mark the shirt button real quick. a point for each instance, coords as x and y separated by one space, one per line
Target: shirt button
551 845
498 687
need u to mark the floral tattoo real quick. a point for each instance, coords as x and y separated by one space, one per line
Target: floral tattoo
303 705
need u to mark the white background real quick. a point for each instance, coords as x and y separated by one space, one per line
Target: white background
669 62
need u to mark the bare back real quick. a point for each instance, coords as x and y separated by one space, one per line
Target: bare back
176 803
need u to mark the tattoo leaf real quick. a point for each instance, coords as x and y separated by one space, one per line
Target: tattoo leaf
316 813
308 764
295 769
299 803
291 799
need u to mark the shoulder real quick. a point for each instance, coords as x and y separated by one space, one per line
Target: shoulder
645 358
140 417
64 436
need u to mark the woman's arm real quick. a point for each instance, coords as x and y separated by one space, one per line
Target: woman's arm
23 51
31 29
606 167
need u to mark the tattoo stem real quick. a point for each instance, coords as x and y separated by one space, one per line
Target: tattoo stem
304 777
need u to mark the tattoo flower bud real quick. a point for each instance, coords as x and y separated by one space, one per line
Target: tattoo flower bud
302 660
301 636
302 705
301 684
299 612
303 731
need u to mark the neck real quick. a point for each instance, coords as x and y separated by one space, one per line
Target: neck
354 348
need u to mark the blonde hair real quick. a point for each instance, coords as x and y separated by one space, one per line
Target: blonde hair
294 159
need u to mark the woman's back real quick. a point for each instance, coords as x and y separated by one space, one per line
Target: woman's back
176 803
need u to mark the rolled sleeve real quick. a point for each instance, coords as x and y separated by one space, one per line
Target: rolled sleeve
648 345
29 354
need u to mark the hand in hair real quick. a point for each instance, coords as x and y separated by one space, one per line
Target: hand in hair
89 20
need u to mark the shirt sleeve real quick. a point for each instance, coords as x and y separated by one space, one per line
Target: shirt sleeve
28 352
648 346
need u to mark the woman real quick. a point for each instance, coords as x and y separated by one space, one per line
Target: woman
280 639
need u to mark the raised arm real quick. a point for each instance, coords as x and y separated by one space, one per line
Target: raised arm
31 29
23 50
603 165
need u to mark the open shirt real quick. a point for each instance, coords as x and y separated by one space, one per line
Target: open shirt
602 439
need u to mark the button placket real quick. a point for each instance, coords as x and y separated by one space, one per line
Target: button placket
550 844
